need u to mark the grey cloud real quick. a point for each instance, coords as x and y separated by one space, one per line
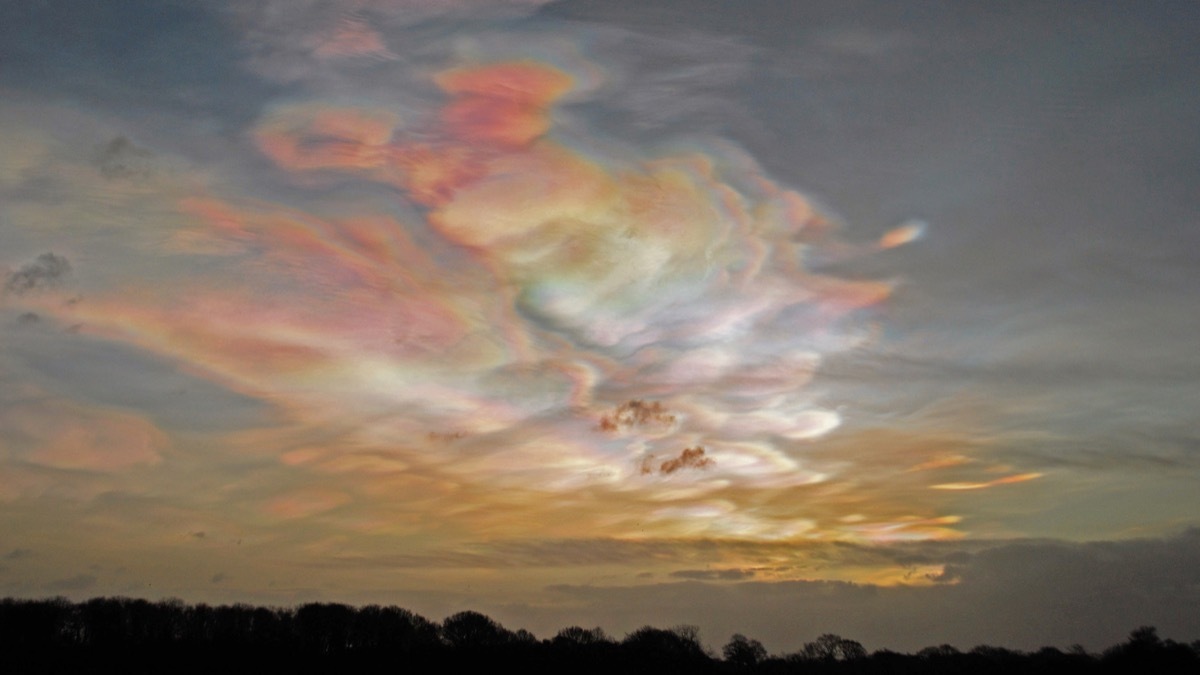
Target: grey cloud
571 552
219 577
435 559
1055 567
281 38
574 552
110 373
1073 413
18 554
1169 448
585 552
866 365
79 582
538 553
905 554
684 80
47 271
713 575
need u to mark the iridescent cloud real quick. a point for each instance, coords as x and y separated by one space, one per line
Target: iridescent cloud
573 282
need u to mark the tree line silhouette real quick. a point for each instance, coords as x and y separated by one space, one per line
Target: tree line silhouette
135 635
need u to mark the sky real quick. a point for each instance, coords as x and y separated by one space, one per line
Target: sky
771 317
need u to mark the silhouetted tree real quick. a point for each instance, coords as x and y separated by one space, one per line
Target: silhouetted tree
40 623
675 650
1150 654
472 630
743 652
575 635
680 641
393 629
324 628
412 632
133 635
232 625
105 623
830 647
584 650
939 651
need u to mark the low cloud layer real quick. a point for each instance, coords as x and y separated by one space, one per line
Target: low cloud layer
1091 593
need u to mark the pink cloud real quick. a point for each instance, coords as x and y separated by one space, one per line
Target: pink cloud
65 435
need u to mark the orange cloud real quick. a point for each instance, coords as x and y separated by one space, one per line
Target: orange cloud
909 528
306 502
504 103
1016 478
902 235
432 173
310 136
323 297
940 463
65 435
530 201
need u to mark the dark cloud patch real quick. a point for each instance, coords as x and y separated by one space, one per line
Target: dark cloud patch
445 436
79 582
47 271
636 413
18 554
690 458
219 577
121 158
197 535
28 318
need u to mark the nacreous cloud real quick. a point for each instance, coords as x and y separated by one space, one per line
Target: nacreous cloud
678 275
563 317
